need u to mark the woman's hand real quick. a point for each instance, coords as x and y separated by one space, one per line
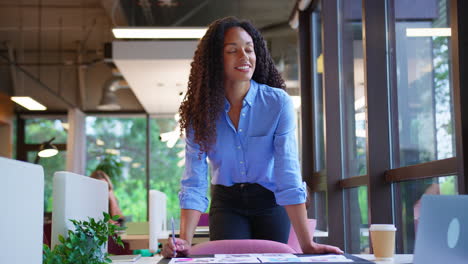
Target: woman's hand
316 248
181 248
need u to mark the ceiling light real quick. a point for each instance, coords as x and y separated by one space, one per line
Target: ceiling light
428 32
158 33
28 103
109 99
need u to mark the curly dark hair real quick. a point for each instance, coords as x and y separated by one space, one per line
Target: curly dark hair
204 101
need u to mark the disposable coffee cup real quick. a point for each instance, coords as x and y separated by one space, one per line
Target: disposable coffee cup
383 241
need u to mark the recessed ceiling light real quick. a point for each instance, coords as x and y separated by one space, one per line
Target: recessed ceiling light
158 33
28 103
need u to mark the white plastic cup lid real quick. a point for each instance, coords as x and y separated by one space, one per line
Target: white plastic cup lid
382 227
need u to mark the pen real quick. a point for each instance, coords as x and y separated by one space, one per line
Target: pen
173 236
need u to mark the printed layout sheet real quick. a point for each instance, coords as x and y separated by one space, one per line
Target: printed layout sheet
260 258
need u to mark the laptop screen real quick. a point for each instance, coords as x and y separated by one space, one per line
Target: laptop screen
442 235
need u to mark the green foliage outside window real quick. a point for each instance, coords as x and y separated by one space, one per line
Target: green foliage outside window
37 131
165 171
112 140
119 144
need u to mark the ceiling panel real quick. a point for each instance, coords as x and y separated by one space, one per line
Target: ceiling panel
157 71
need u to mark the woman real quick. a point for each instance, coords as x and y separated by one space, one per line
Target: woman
114 208
234 115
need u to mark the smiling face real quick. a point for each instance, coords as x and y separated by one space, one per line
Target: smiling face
239 55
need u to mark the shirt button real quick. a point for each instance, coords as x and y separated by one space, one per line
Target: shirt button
242 172
240 130
243 114
238 147
241 162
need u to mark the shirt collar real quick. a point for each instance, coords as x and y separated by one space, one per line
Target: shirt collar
249 97
252 93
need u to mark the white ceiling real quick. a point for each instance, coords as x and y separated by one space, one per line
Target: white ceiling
157 71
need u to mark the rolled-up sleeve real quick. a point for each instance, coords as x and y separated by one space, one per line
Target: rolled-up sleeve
194 183
290 189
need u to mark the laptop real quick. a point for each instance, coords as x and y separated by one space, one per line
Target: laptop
22 207
442 235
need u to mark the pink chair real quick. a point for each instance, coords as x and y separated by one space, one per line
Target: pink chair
240 246
292 240
204 220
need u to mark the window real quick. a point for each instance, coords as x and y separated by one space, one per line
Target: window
119 143
400 124
425 126
167 162
409 195
37 131
50 165
357 212
352 88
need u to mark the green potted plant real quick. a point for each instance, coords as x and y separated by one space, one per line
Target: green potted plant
85 244
111 165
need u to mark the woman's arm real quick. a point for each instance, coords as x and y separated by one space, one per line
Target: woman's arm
298 215
188 222
192 197
114 208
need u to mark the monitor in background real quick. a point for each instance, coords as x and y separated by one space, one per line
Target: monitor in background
76 197
442 235
22 196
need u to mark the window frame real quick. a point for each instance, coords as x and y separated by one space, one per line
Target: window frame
382 145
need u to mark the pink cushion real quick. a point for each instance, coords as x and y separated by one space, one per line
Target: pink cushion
292 240
240 246
204 220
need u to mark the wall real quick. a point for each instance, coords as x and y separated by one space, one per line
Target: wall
6 125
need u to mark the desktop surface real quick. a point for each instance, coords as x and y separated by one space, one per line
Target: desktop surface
397 259
349 259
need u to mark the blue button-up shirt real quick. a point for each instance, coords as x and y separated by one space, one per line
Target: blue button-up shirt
262 150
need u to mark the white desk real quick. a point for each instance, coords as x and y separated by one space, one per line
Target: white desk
398 259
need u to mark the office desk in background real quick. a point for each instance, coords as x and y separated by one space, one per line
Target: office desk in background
398 259
142 241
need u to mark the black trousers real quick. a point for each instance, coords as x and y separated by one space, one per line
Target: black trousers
247 211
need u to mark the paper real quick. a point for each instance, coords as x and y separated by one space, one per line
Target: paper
260 258
124 258
325 258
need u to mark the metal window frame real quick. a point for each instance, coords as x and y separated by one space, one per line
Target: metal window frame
459 26
333 124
